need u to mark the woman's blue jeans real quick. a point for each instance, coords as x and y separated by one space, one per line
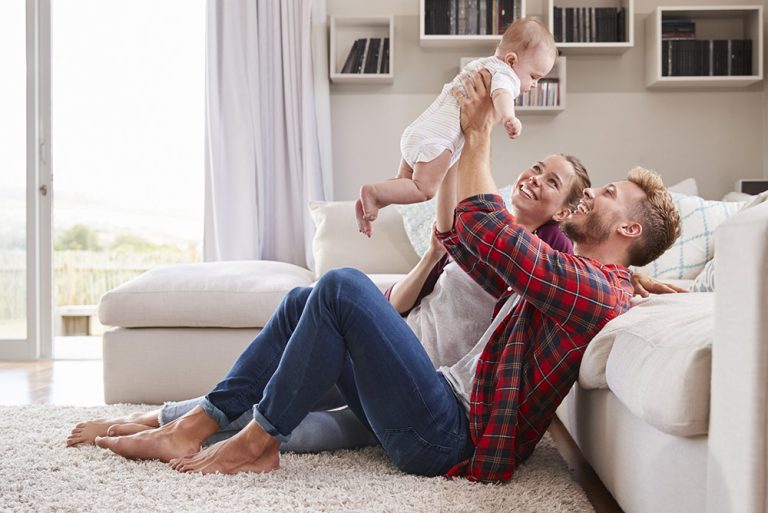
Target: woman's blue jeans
343 332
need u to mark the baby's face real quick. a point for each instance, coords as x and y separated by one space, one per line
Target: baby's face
532 65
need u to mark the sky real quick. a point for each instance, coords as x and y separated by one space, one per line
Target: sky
128 100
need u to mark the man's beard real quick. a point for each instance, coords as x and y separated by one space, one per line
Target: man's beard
595 230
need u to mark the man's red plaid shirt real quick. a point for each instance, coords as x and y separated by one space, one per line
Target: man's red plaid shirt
533 357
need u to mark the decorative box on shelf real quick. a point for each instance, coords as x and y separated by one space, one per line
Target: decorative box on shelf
362 49
592 26
704 46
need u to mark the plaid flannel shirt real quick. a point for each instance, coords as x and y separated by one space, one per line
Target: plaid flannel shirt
533 357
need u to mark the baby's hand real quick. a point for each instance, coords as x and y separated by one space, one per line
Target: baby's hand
513 127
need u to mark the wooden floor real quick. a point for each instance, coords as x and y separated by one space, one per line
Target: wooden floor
78 382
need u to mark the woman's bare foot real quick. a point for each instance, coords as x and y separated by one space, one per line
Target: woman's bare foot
85 433
363 225
182 437
251 450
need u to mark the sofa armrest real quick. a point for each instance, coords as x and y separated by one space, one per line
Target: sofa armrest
736 472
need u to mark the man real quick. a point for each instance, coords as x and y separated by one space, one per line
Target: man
344 333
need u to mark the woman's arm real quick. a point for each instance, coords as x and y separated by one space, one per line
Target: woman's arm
404 294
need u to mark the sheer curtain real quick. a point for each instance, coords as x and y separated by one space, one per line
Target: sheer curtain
267 128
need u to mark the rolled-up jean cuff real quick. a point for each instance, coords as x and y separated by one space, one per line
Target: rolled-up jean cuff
267 426
213 412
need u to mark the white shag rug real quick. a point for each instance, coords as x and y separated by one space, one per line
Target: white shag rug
38 473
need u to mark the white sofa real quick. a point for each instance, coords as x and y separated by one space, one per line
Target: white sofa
642 412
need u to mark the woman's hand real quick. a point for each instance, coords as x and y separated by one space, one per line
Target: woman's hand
645 285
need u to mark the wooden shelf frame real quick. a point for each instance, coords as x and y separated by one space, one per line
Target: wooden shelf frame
612 48
344 30
712 22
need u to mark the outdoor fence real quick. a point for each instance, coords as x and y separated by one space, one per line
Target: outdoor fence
80 277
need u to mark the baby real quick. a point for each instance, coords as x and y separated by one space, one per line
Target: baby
432 144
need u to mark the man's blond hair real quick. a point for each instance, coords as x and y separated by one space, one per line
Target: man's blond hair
526 34
658 216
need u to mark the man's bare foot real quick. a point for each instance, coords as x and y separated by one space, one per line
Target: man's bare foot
182 437
369 202
250 450
85 433
363 225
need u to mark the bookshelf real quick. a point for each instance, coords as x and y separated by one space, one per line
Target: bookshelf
591 9
344 31
744 22
428 38
558 72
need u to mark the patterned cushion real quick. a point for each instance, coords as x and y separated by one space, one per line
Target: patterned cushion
695 247
705 281
419 217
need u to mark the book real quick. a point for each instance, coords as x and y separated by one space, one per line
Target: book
384 66
352 56
372 57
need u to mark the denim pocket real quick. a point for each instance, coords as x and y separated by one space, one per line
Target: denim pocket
412 454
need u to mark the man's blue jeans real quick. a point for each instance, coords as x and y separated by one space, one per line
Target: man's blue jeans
344 332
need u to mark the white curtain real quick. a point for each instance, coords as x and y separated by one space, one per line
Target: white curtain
268 146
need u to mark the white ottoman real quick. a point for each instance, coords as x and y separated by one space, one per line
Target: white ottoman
180 327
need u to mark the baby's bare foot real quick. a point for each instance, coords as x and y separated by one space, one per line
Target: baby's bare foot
363 225
370 202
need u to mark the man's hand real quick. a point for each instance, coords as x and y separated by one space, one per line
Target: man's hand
477 111
513 126
645 285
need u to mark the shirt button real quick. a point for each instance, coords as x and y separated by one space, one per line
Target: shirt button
509 289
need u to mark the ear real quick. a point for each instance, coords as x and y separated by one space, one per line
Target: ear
560 215
511 58
631 230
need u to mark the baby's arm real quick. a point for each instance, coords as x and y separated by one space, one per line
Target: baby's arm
504 104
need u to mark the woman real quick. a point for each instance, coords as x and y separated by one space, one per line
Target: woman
445 308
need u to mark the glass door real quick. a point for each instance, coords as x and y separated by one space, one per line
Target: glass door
24 180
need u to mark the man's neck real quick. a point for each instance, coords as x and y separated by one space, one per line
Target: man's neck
605 253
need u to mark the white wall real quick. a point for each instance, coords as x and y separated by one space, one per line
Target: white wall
612 122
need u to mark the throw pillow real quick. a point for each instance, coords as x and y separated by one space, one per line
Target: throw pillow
695 247
705 281
418 219
687 186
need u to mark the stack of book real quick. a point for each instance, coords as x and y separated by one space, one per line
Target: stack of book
470 17
368 56
545 94
706 57
589 24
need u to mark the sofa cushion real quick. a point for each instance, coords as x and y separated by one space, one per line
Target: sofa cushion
235 294
338 243
696 245
656 359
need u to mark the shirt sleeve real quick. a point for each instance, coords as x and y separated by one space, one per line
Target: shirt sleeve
559 285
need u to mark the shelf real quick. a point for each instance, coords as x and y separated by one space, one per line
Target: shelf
595 48
711 23
558 71
463 40
344 31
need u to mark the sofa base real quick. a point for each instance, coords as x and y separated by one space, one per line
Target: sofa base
645 469
153 365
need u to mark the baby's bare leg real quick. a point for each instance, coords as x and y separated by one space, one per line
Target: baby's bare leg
367 207
423 184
